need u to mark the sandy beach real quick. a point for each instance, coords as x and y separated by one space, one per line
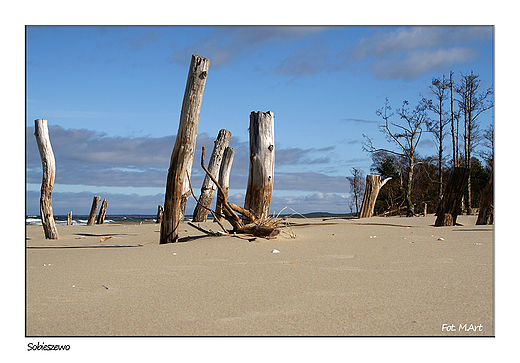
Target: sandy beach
370 277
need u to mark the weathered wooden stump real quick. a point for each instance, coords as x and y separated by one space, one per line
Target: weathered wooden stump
93 210
450 204
207 191
184 148
372 187
261 164
223 179
69 219
160 211
102 212
41 132
186 190
485 215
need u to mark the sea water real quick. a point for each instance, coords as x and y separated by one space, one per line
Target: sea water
82 219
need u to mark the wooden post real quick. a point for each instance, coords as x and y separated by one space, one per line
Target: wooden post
160 211
69 219
41 132
449 206
184 148
93 210
425 211
186 190
102 212
223 178
207 191
372 187
261 164
485 215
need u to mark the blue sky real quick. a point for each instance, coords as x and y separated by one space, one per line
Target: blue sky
112 97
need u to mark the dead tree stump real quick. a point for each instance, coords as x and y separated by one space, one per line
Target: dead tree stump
102 212
449 206
223 179
69 219
207 191
93 210
261 164
160 211
184 149
41 132
186 190
372 187
485 215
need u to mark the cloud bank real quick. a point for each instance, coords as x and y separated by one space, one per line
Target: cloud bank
88 158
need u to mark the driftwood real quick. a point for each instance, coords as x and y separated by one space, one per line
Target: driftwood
102 212
256 227
207 191
372 187
449 206
261 164
392 211
223 178
485 215
160 211
184 148
186 191
93 210
41 132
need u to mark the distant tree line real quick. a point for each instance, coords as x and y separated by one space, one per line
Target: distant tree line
451 116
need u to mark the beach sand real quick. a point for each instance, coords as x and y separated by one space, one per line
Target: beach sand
369 277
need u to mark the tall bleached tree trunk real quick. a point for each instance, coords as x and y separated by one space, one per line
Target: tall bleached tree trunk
41 132
93 210
200 214
102 212
184 148
372 187
223 178
261 164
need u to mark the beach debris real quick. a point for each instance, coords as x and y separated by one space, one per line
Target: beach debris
105 287
41 132
373 236
373 186
207 191
174 254
208 232
102 212
478 244
103 239
93 210
275 251
73 285
184 148
440 239
249 223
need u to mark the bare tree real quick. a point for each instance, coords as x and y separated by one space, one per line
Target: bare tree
439 89
405 135
488 155
356 186
472 104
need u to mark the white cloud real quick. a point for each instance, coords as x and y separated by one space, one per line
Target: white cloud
410 52
224 44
